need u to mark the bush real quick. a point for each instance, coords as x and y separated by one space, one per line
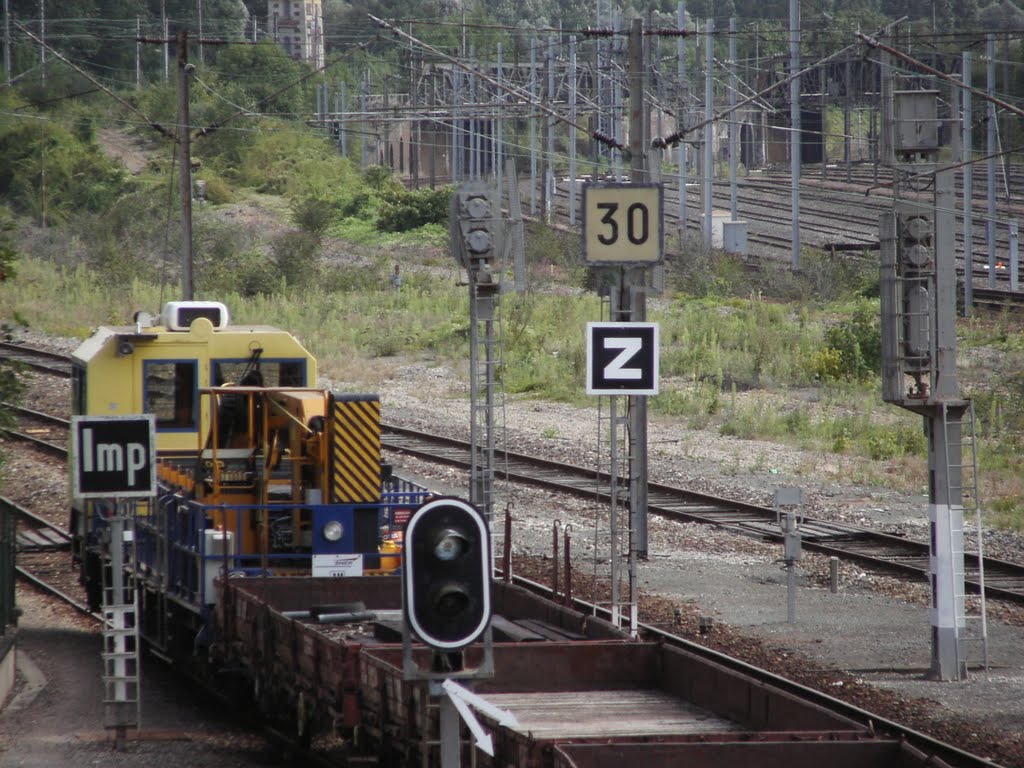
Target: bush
404 210
218 191
77 176
296 255
229 260
701 272
313 215
821 277
283 160
381 179
7 259
855 345
827 365
118 265
249 273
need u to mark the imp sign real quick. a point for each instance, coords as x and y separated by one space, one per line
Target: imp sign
113 455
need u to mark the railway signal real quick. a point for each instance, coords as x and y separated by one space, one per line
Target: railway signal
476 222
446 574
915 258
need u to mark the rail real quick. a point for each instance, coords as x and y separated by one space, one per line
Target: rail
45 432
870 548
42 360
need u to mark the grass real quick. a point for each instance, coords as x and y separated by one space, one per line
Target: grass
738 367
742 366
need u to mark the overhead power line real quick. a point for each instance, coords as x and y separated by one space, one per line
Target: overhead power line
873 43
131 107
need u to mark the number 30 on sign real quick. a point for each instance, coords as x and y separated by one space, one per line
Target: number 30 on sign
622 224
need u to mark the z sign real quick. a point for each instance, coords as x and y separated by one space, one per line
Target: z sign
622 358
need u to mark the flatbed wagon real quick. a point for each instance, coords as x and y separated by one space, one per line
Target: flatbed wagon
326 656
297 643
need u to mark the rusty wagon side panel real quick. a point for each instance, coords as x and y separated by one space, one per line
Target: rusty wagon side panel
791 753
311 670
590 691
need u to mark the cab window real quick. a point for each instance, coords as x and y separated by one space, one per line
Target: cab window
269 373
170 393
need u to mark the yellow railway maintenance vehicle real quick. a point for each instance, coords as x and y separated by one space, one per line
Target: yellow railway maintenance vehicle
259 472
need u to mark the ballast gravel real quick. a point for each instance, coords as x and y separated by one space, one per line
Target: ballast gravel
868 643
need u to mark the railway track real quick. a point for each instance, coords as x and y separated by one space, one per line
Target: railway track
38 359
584 484
46 432
35 533
872 549
998 300
42 547
835 216
42 557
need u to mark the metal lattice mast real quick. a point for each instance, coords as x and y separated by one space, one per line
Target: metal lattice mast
121 700
918 302
478 244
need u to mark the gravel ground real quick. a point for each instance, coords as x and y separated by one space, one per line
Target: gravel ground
60 724
869 643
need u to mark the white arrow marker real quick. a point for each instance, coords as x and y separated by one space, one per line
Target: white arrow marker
483 738
504 717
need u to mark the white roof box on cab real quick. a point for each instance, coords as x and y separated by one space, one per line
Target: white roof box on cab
178 315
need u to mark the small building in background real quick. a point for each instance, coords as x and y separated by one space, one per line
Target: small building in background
298 27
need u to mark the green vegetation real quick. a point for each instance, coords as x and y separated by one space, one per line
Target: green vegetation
295 235
11 386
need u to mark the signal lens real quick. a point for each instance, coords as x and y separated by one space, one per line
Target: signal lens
450 545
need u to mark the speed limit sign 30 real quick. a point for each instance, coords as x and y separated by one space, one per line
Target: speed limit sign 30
622 224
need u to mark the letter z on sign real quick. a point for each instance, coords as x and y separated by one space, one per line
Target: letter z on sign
622 358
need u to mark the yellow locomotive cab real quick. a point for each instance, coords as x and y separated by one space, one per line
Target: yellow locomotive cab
159 368
260 472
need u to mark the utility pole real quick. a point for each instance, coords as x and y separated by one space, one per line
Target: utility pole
199 10
918 329
636 300
733 127
681 120
185 173
991 143
795 146
549 159
42 38
7 40
967 158
165 32
138 52
708 169
533 128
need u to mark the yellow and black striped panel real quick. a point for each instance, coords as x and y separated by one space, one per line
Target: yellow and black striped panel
354 449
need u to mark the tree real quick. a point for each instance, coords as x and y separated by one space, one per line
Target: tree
47 172
258 77
224 19
11 385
